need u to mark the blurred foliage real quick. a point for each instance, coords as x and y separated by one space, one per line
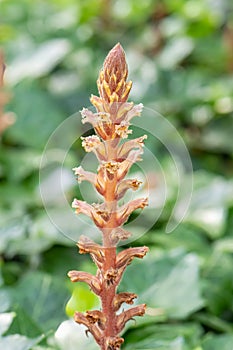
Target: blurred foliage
180 55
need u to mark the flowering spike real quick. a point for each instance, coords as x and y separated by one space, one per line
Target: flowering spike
111 123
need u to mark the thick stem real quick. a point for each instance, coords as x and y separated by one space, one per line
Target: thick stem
109 286
107 296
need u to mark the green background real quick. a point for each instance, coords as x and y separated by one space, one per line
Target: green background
180 56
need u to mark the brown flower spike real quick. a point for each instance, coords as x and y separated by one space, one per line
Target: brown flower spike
111 123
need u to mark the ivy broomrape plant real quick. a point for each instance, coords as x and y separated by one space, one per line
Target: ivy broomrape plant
111 124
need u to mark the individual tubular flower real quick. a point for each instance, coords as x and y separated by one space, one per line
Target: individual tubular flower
124 297
85 175
122 129
90 143
114 343
91 280
111 123
92 326
124 212
129 314
126 256
95 212
127 147
87 246
125 185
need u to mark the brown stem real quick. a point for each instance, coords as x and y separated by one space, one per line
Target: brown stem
109 286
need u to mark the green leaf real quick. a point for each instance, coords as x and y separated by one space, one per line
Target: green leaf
44 296
216 342
217 135
5 300
38 61
187 236
37 118
175 52
152 344
30 237
24 324
185 335
5 321
171 283
210 199
217 285
18 342
25 161
213 322
82 299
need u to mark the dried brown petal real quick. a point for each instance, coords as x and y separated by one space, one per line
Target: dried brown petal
121 298
126 256
110 276
91 280
114 343
93 328
86 245
96 316
127 315
89 210
125 210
